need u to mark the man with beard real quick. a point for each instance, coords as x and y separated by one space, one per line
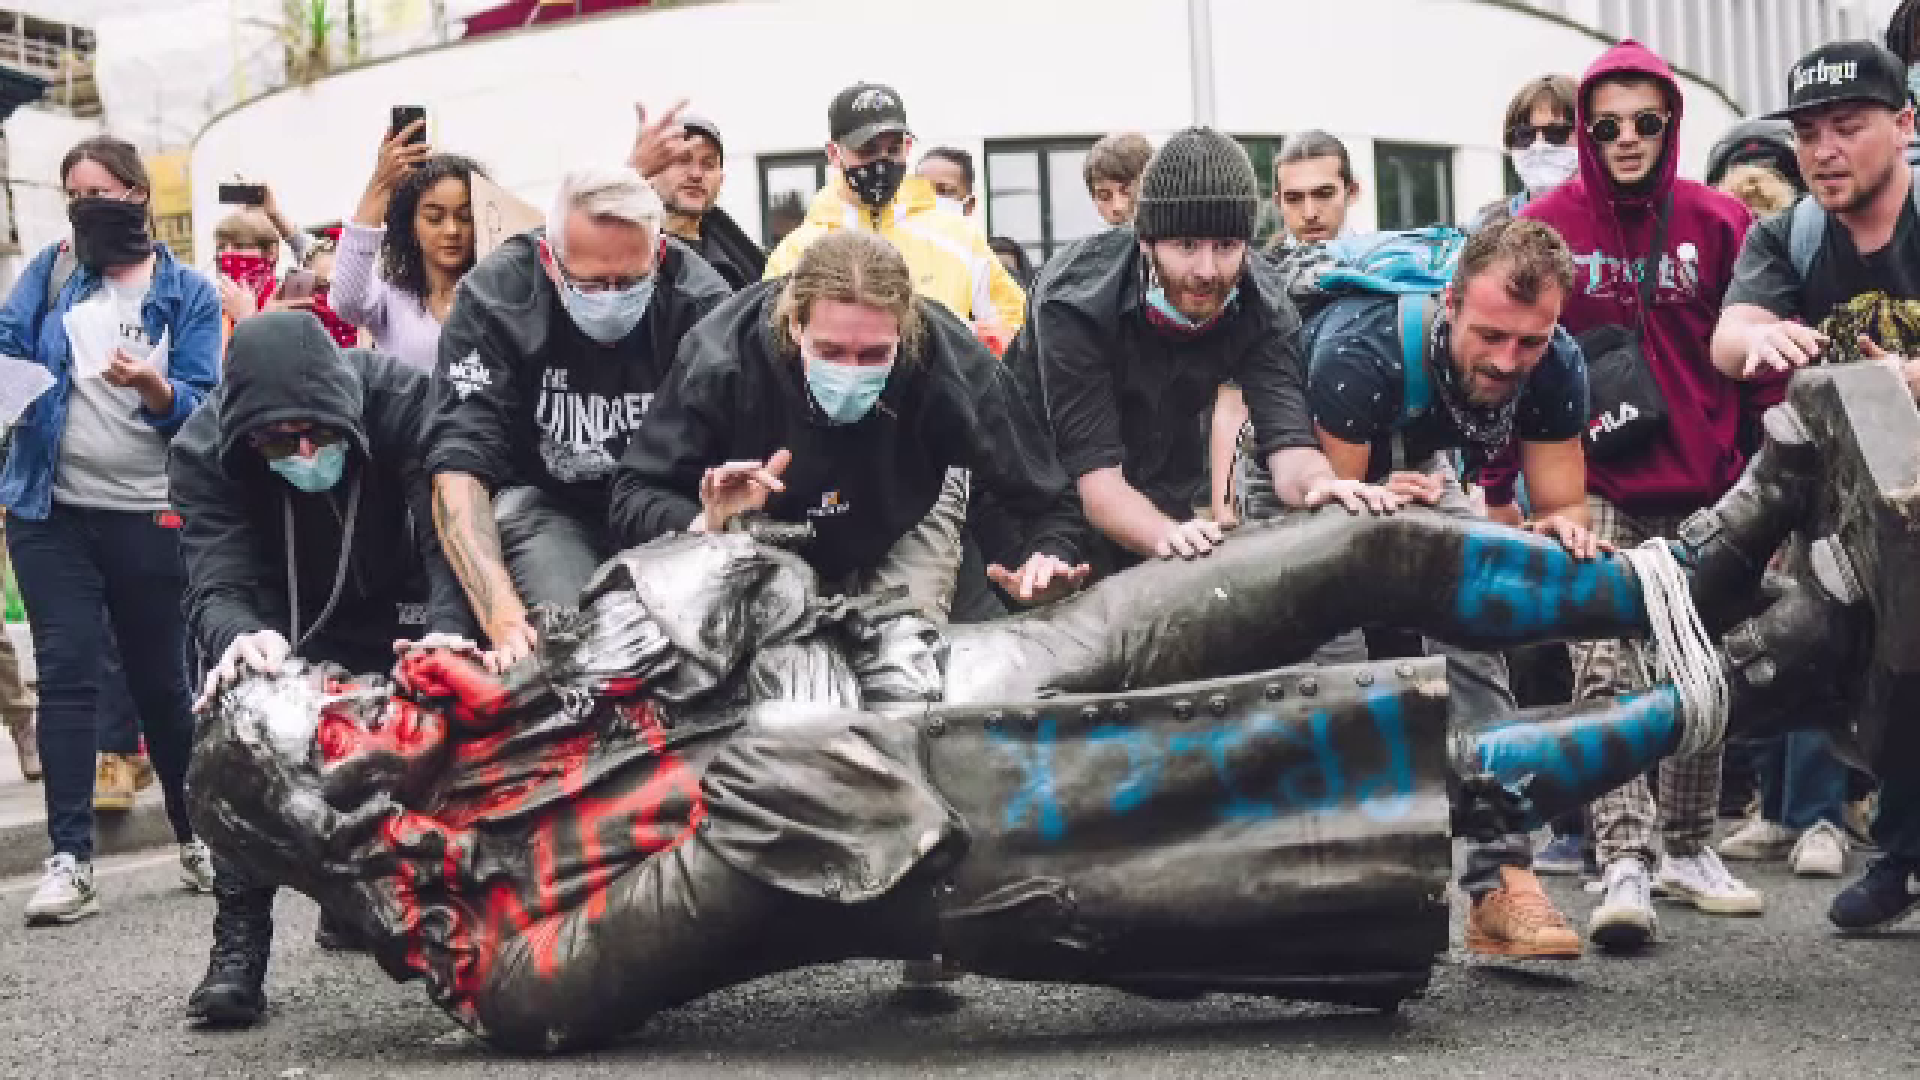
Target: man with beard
688 175
1851 244
1654 255
1134 330
1398 387
548 362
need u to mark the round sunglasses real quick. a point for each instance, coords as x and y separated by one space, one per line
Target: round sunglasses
1521 136
1647 123
274 445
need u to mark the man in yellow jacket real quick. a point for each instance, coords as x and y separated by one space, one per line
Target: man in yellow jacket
870 189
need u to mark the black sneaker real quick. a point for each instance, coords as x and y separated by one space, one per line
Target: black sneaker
233 993
1884 895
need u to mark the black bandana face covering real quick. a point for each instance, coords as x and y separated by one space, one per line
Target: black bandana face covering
1489 428
877 180
109 232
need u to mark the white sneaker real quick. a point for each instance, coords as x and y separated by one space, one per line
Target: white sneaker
1624 921
196 867
1759 841
1703 881
65 893
1821 852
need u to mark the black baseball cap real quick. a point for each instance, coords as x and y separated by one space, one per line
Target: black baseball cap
1846 71
695 124
863 111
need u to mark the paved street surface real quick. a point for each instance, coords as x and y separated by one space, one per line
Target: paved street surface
1771 997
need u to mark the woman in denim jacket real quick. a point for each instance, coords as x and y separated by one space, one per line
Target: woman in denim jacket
131 337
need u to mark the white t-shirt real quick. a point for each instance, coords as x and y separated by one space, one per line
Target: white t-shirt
110 458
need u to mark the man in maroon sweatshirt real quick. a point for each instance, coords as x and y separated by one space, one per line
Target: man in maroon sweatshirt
1629 111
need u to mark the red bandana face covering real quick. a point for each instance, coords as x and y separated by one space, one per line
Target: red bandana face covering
251 272
345 334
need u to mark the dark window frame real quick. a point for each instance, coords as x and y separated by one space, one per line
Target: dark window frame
766 163
1435 154
1042 149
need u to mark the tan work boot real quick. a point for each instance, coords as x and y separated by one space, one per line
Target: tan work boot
26 744
140 766
1517 919
112 783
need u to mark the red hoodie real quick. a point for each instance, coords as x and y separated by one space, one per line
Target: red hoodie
1610 232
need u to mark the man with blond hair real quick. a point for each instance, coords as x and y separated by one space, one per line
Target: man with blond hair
548 362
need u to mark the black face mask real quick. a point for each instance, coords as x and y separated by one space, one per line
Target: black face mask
109 232
877 180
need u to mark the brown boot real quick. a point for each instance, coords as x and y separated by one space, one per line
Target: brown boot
140 769
26 744
1517 919
112 783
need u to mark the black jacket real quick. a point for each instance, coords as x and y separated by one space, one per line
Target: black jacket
1121 393
736 394
235 512
730 251
523 397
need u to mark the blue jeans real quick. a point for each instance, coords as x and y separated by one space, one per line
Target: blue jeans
119 723
75 567
1896 828
1801 782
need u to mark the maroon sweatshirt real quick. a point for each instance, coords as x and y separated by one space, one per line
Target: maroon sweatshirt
1610 232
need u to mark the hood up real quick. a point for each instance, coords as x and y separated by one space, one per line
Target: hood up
281 366
1629 58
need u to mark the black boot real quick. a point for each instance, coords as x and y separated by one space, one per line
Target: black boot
233 993
1725 547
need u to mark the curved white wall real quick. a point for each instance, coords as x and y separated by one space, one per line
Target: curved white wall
528 105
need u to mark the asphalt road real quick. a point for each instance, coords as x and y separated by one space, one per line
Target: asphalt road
1777 996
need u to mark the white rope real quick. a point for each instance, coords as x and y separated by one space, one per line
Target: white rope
1683 651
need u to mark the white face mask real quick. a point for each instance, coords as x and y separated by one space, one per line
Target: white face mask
1544 166
952 206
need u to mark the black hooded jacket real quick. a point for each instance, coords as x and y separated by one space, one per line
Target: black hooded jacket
730 251
524 397
736 394
244 527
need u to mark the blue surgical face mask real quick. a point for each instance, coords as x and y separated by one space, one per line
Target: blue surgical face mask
313 474
1157 297
845 392
606 317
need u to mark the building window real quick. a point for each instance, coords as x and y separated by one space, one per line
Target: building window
788 183
1036 194
1262 149
1413 185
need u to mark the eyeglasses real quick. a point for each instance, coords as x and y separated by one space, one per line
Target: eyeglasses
274 445
592 286
1647 123
1521 136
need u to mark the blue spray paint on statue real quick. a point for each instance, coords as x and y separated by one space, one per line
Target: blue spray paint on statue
1514 588
1570 757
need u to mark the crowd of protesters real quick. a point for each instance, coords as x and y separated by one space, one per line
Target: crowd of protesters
381 439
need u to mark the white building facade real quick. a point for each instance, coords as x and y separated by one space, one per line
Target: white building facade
1416 88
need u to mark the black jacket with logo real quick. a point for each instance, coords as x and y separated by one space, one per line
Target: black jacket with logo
243 526
524 397
735 394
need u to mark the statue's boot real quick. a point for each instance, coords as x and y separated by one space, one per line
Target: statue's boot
1725 547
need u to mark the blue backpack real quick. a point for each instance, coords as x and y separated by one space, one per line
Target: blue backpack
1414 265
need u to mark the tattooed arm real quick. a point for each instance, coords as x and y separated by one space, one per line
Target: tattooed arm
463 516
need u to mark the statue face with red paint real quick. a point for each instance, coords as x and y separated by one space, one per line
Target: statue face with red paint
371 742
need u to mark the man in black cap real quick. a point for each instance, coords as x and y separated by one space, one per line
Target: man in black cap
869 189
687 172
1851 246
1132 332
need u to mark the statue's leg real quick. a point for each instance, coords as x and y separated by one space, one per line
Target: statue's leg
1275 591
1284 833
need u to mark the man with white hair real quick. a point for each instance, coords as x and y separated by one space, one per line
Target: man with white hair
548 362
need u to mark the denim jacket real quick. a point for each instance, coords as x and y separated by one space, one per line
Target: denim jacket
180 301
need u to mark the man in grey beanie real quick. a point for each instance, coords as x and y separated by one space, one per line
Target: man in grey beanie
1132 332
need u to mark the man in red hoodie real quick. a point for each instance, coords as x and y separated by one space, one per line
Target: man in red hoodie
1629 111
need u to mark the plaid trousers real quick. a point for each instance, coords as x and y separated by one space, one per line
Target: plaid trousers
1623 819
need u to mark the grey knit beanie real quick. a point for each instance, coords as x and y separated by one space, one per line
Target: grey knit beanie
1200 183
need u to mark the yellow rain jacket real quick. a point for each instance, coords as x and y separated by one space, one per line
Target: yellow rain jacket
947 253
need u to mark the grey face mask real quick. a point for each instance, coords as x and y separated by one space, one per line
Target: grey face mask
606 317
